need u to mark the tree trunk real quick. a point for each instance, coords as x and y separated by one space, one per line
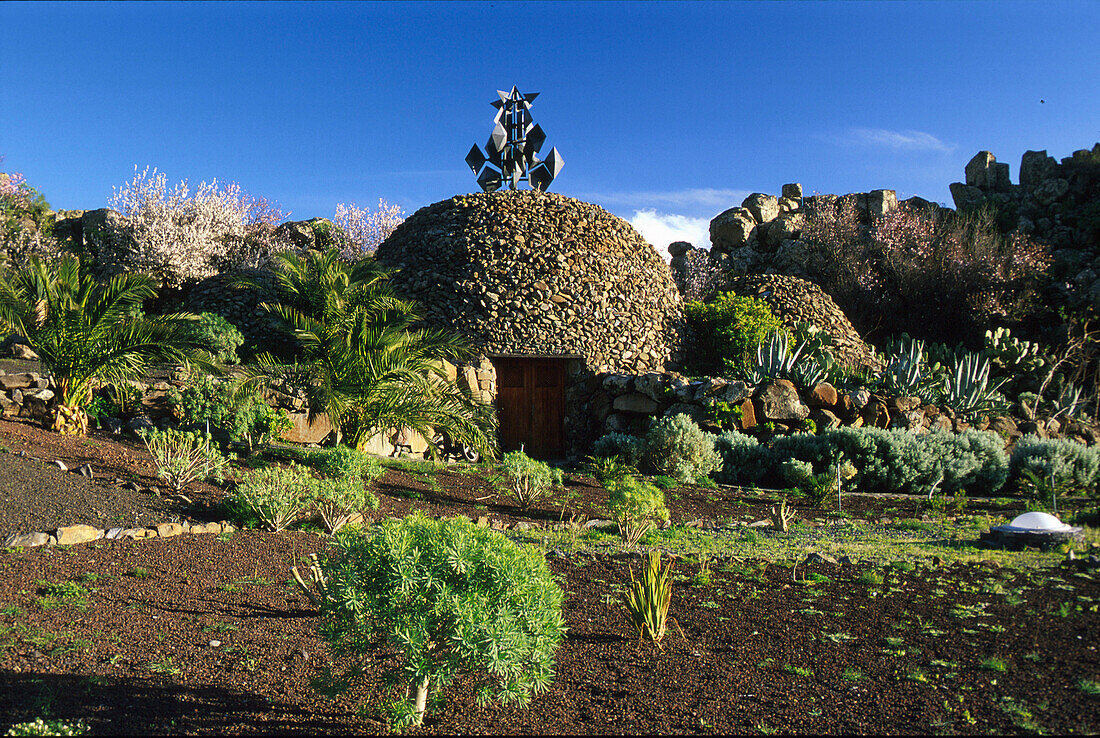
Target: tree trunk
421 688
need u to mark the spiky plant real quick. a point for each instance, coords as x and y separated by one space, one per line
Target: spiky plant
369 370
87 332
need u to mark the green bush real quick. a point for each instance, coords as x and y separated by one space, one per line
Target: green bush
449 597
744 459
636 505
49 727
679 448
727 331
240 415
796 473
183 458
345 461
220 337
338 499
630 449
1065 460
276 496
886 460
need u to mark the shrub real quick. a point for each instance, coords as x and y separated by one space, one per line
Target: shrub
449 597
744 459
1060 458
183 458
676 446
220 337
636 505
40 726
337 499
345 461
972 460
179 237
240 412
886 460
530 480
630 449
796 473
727 331
274 495
947 276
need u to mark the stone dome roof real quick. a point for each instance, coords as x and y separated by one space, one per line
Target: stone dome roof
536 273
795 300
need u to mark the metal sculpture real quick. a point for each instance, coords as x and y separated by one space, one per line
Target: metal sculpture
512 147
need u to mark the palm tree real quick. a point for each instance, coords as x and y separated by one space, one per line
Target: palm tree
369 370
87 332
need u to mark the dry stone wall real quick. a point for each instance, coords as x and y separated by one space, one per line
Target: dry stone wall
534 273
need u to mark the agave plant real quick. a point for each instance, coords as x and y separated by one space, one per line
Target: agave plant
775 360
967 389
86 332
906 372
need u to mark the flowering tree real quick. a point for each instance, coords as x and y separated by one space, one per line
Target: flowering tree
26 224
179 236
363 229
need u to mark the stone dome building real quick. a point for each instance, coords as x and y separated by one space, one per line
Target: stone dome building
795 300
552 290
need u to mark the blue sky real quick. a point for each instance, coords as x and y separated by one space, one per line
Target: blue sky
665 113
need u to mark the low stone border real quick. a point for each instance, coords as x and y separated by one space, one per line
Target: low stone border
73 534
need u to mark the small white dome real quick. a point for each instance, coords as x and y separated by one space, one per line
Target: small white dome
1037 521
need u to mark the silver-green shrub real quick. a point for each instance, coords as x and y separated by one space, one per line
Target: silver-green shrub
676 446
628 448
1061 458
973 460
744 459
886 461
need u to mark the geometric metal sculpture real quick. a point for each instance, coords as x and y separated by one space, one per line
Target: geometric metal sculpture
511 151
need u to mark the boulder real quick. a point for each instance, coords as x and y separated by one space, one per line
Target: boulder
678 248
822 395
764 208
778 400
635 403
168 530
786 227
978 170
1050 191
303 430
16 381
732 229
1036 167
651 384
695 412
881 202
966 196
793 191
26 540
73 534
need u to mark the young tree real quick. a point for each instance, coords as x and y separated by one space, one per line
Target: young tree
85 331
449 597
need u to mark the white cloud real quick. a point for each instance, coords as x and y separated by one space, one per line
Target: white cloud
661 229
699 200
906 140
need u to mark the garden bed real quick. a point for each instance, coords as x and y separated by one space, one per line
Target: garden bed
921 632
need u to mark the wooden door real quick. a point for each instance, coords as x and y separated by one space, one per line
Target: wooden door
531 405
